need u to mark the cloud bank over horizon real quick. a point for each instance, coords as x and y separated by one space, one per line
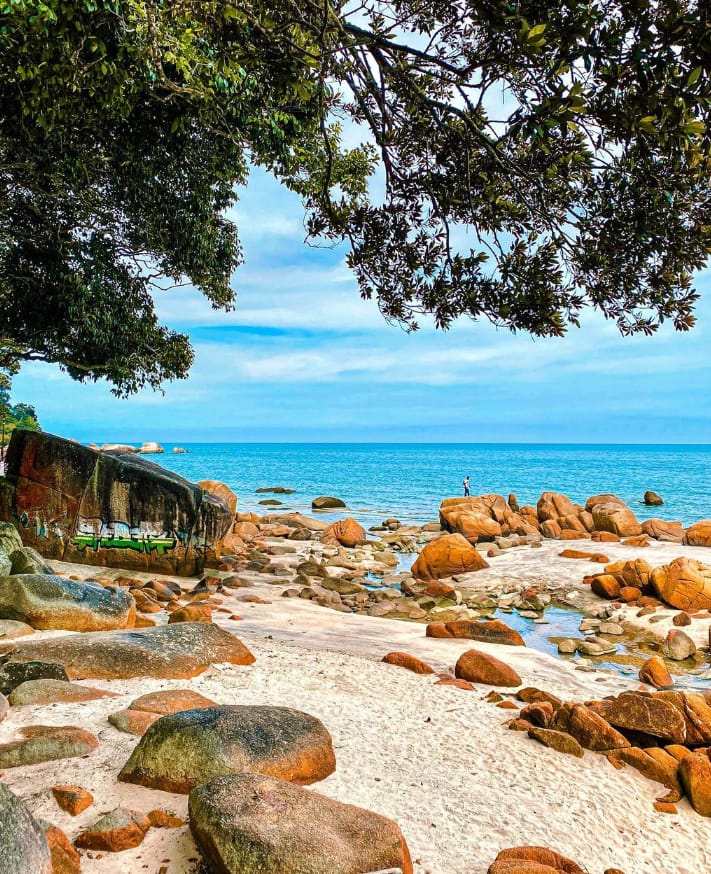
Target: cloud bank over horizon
303 358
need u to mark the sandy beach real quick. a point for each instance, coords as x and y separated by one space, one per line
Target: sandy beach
436 759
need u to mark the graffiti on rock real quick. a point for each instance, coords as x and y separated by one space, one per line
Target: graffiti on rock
95 534
42 528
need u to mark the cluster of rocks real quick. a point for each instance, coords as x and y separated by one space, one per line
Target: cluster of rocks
664 734
239 764
684 584
148 448
604 517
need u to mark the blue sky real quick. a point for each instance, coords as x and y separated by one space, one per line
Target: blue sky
303 358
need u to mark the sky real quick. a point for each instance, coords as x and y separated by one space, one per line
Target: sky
304 359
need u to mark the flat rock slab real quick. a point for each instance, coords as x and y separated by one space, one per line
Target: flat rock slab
23 847
651 714
168 701
49 691
46 743
49 602
183 750
251 824
176 651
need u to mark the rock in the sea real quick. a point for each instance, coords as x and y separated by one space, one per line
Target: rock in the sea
655 672
249 823
486 631
472 518
446 556
325 502
678 645
185 749
72 799
347 532
119 830
23 846
684 583
532 860
45 743
479 667
616 517
405 660
35 692
49 602
698 534
652 499
555 506
151 448
177 651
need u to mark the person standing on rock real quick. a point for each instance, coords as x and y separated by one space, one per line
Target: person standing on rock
465 483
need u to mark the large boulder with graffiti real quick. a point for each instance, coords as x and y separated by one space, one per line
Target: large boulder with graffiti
72 503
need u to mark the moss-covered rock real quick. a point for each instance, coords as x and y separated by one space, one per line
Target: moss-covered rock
251 824
183 750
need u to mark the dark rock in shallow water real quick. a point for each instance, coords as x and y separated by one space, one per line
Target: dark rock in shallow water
48 602
251 824
652 499
73 503
327 503
23 846
177 651
185 749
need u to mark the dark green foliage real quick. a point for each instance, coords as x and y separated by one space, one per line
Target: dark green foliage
15 416
571 140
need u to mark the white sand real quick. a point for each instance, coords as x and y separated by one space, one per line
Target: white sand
434 758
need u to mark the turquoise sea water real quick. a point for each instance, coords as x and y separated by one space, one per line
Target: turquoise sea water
409 481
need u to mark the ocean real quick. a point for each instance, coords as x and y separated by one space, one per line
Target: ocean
408 481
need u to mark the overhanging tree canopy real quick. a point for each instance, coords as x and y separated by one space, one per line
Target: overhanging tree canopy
570 140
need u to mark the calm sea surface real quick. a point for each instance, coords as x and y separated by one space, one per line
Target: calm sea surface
408 481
